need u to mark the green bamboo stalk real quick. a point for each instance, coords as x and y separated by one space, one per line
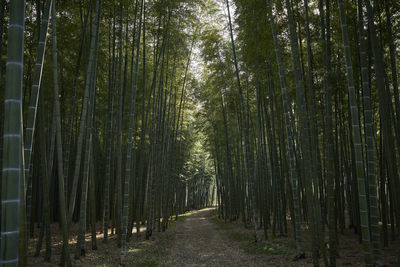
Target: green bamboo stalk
91 84
130 145
81 244
78 158
92 195
31 121
248 154
329 152
118 187
386 111
13 157
45 227
72 105
132 195
289 134
63 215
109 144
141 182
365 229
2 11
393 64
153 161
313 209
369 140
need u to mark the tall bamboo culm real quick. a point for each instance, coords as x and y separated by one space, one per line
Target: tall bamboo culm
13 157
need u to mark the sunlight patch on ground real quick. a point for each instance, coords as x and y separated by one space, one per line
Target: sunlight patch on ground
134 250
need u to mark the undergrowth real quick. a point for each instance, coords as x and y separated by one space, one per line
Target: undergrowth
244 238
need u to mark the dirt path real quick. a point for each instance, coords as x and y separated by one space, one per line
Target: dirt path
199 243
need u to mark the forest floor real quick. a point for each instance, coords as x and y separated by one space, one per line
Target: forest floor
281 251
200 238
198 242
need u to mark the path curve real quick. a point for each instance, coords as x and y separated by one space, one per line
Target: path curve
199 243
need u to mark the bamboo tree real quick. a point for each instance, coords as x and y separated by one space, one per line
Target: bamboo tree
92 195
248 153
132 199
386 111
130 136
81 244
356 139
392 51
88 169
167 208
159 57
262 156
13 157
72 105
289 134
63 214
141 175
109 144
313 211
45 226
2 12
370 150
91 85
90 66
31 121
329 152
152 171
81 248
118 181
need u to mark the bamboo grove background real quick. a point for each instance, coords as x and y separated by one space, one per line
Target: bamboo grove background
284 113
106 123
301 104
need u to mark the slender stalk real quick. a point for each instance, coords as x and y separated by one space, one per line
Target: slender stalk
130 136
365 229
386 111
289 134
90 66
32 111
63 215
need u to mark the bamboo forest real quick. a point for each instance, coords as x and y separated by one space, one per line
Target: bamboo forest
199 133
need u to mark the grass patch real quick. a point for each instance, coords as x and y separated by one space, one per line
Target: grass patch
271 251
284 241
264 247
146 263
181 218
269 248
240 237
245 239
220 223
